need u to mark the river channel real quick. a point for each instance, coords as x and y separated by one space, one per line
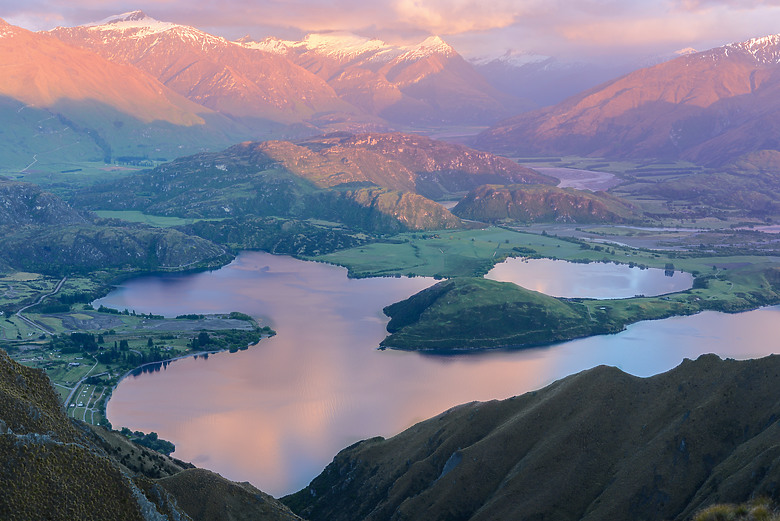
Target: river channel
277 413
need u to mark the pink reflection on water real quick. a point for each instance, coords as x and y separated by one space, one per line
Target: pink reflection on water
276 414
595 280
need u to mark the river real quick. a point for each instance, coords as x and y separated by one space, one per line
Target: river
276 414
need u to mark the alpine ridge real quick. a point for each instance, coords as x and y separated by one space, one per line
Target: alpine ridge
708 107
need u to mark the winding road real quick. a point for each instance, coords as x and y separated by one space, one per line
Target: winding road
40 299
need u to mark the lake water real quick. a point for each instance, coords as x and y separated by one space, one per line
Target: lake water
276 414
595 280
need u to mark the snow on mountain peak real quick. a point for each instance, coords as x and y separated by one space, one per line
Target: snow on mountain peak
131 20
271 44
511 57
685 51
137 25
6 29
765 50
344 46
431 46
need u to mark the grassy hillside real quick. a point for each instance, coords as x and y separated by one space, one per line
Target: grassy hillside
273 179
538 203
43 234
54 468
600 444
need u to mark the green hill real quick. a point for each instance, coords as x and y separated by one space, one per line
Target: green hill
539 203
42 233
359 189
476 313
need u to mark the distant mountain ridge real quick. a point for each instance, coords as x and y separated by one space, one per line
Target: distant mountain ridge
708 107
423 83
243 83
329 81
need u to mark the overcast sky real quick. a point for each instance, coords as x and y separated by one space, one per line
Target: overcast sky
570 29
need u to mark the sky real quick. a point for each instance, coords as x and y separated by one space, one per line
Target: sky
568 29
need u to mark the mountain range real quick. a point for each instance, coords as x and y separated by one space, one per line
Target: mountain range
133 86
708 107
377 182
58 101
327 80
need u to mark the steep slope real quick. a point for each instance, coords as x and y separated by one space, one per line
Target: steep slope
543 204
41 232
601 444
60 100
420 84
251 85
40 70
708 107
55 468
25 203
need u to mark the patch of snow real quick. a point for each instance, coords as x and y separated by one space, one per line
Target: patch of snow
511 57
685 51
765 50
137 25
431 46
271 44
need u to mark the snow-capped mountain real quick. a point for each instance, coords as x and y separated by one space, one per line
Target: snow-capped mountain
247 84
67 102
764 50
422 83
343 47
708 107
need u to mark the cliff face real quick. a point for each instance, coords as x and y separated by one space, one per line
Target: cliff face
601 444
55 468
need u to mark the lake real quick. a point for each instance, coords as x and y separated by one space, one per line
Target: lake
276 414
594 280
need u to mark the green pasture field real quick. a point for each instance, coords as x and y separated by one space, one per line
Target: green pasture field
62 178
158 221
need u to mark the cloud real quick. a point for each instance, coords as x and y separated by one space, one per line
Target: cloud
737 5
571 27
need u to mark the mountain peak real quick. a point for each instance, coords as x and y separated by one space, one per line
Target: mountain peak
431 46
765 50
7 29
136 20
343 45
